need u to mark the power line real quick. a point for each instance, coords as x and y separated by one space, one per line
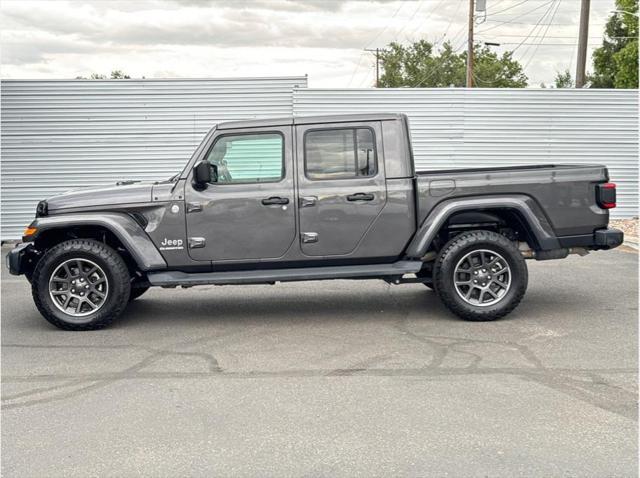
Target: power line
557 24
552 4
508 8
413 15
451 20
386 26
353 74
355 69
518 16
553 15
428 15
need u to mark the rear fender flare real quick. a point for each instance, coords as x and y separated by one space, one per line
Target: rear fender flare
528 209
123 226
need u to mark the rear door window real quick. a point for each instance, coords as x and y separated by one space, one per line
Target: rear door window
342 153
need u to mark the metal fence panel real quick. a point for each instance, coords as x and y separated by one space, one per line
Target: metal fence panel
458 128
63 134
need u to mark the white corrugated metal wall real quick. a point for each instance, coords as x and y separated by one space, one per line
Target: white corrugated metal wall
59 135
63 134
459 127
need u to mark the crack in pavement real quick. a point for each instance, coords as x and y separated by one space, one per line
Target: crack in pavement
583 384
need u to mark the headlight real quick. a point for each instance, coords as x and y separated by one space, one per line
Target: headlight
42 209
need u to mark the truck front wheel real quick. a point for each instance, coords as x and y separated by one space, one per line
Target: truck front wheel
81 284
480 275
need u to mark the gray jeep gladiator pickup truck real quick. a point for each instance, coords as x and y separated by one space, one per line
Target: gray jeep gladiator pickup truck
291 199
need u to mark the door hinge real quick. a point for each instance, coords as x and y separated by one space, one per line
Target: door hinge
196 242
308 201
308 237
194 207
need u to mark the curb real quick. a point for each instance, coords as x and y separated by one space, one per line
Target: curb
632 242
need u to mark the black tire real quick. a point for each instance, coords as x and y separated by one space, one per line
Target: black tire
137 292
111 264
455 251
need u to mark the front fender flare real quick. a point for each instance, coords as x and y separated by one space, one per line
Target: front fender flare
529 210
123 226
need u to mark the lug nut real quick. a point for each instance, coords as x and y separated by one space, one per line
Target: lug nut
81 293
475 281
86 286
475 273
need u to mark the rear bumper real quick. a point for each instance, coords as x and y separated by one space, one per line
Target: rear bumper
21 258
606 238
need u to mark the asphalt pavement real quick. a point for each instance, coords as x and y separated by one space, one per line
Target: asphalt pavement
331 379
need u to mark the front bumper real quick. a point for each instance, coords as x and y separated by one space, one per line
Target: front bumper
21 259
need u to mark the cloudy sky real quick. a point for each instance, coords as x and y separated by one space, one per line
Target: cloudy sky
322 38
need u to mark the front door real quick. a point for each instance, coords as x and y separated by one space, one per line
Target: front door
341 185
249 213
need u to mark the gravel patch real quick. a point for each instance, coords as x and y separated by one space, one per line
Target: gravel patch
628 226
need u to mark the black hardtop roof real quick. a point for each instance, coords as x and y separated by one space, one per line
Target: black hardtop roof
294 120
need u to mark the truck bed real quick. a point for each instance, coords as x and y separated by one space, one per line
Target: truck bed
560 190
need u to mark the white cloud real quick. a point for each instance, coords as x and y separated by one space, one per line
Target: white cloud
192 38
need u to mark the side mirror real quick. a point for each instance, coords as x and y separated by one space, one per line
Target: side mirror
203 173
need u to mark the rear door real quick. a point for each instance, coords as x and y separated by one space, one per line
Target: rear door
249 213
341 186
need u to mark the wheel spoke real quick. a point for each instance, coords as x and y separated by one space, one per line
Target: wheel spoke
91 304
60 292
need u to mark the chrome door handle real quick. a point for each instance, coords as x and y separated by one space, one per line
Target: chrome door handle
360 197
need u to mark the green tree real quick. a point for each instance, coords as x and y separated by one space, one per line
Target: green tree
564 80
421 65
615 63
115 75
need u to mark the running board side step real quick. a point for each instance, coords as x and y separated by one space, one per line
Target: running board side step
373 271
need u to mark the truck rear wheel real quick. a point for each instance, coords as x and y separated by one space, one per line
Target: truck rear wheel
81 284
480 275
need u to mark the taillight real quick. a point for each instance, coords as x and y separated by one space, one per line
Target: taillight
606 195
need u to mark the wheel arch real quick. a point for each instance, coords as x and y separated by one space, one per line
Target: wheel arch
118 230
518 211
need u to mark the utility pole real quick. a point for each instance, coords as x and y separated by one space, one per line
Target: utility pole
470 47
377 52
583 38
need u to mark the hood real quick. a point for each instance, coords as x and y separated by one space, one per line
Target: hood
113 195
